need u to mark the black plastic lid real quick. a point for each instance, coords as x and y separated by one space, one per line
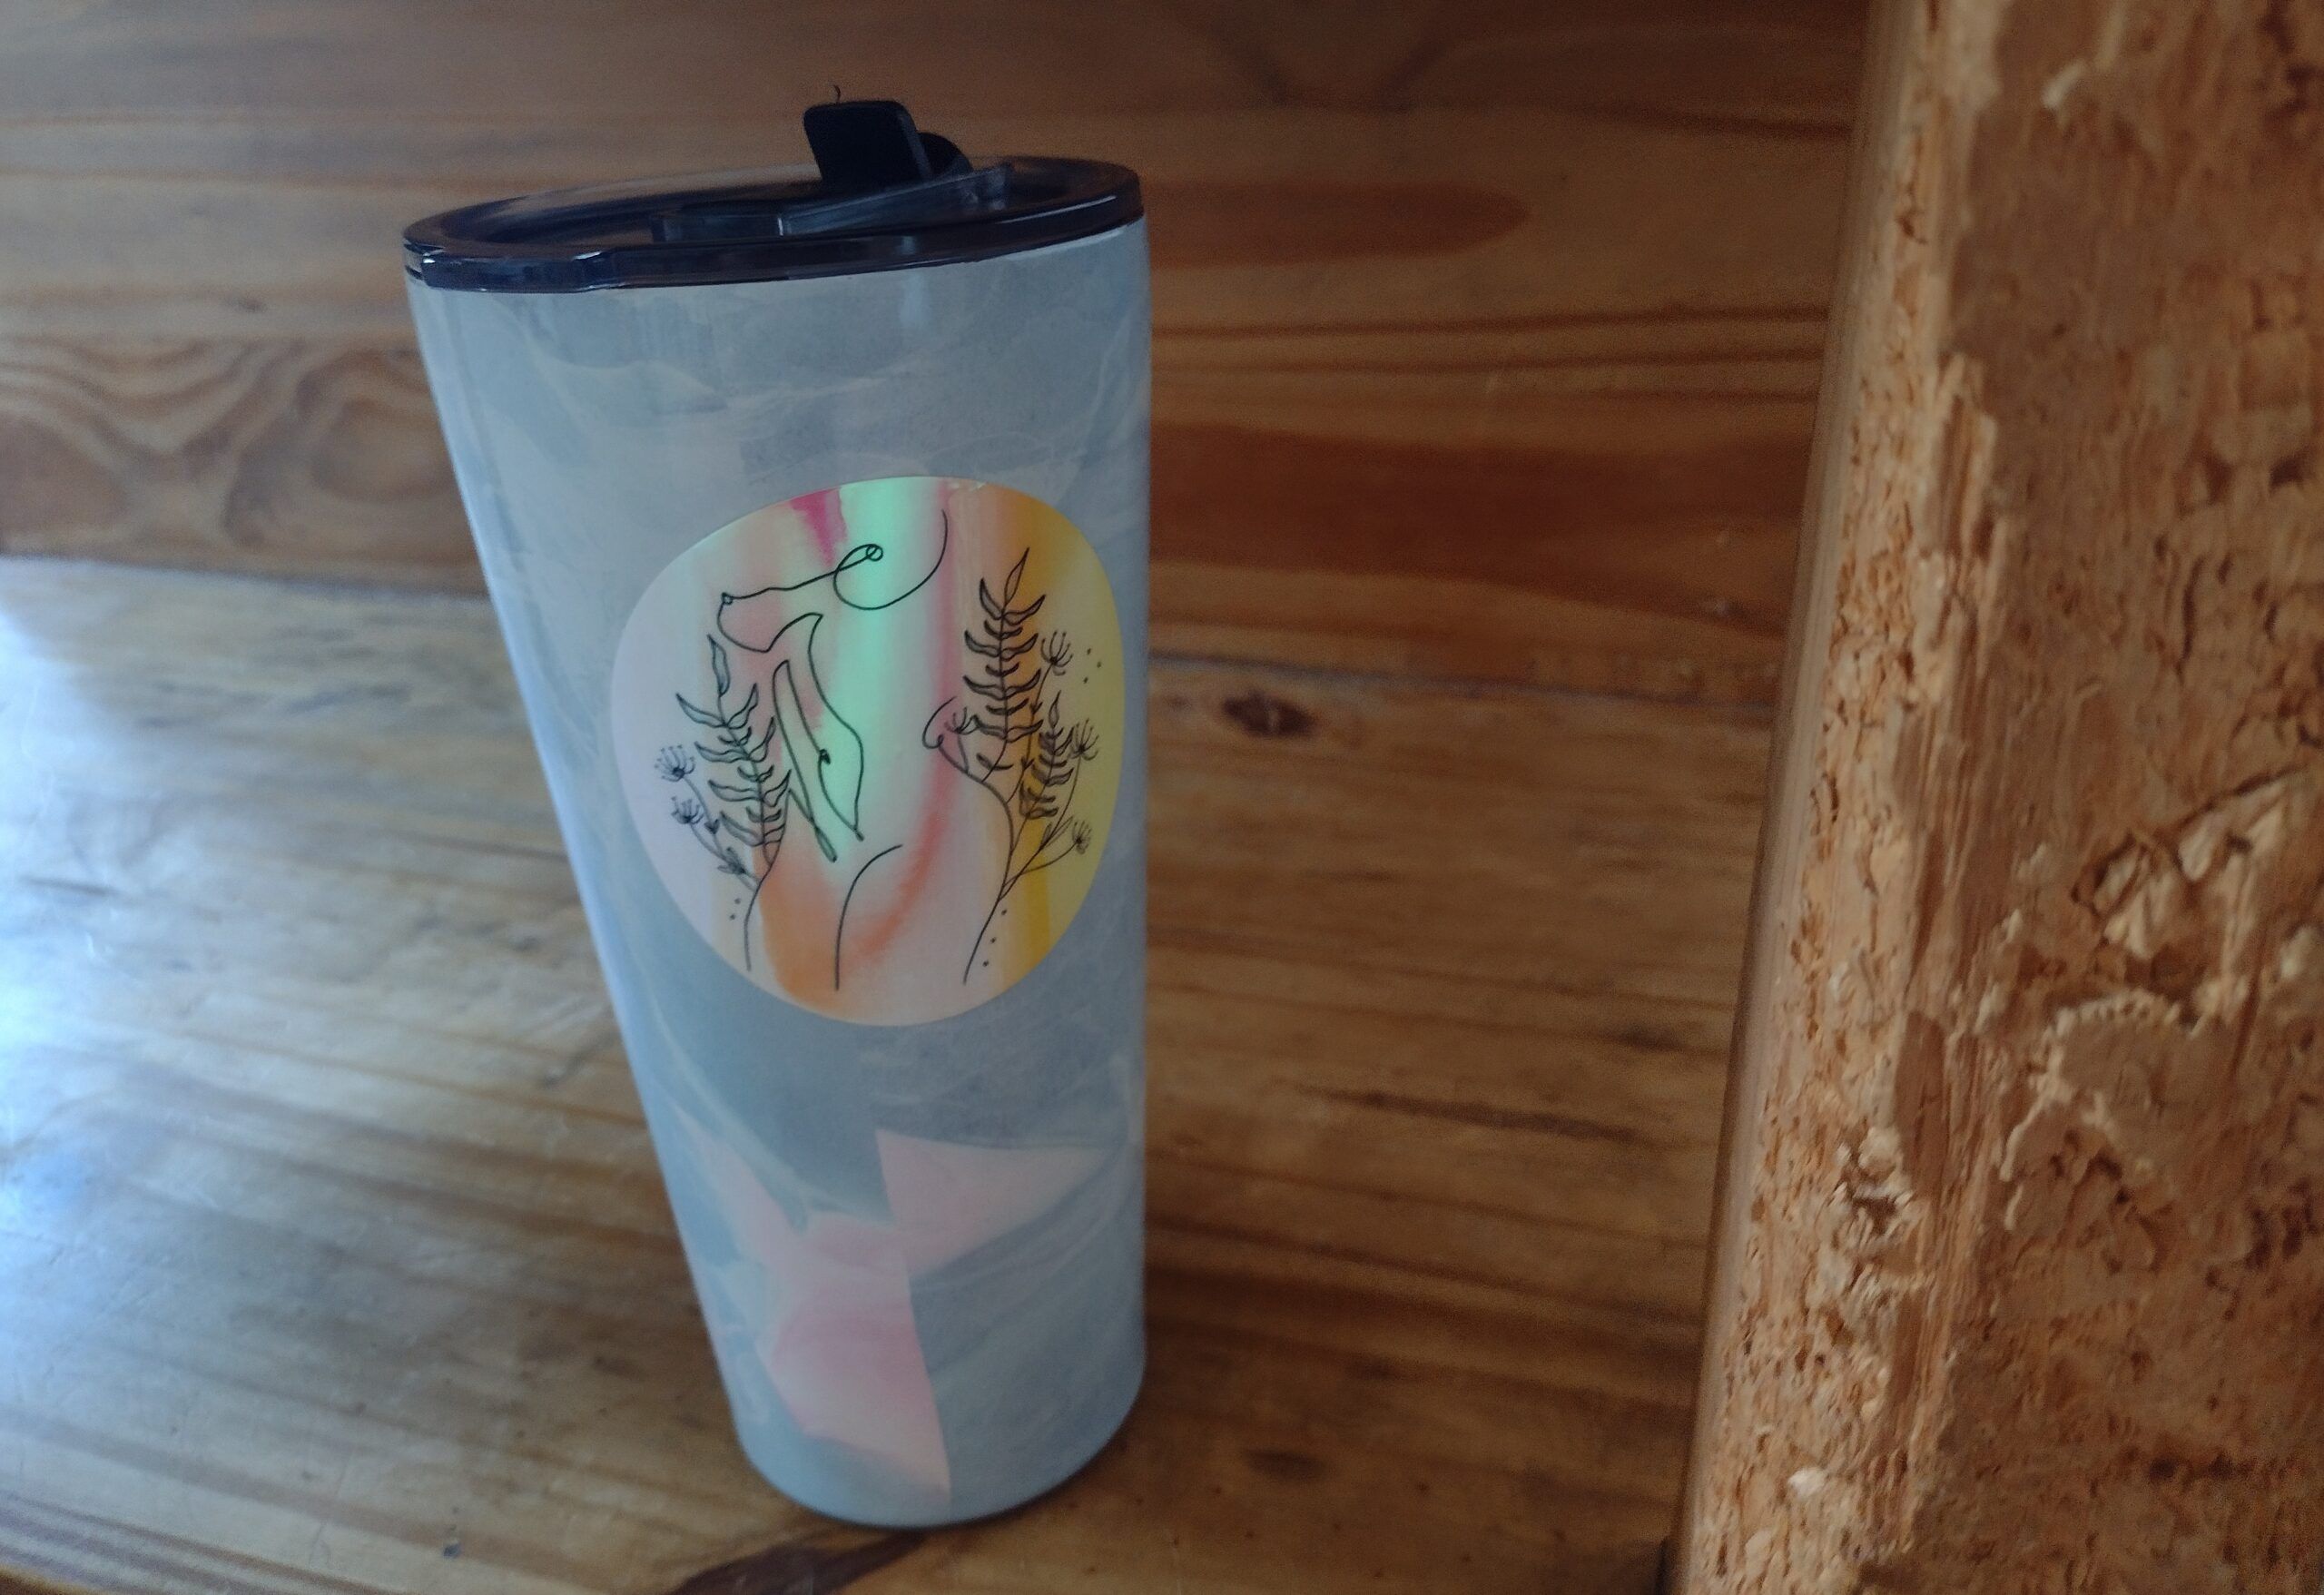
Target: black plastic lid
883 195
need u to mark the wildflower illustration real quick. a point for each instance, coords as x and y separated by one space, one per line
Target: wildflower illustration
1010 736
837 844
791 752
743 829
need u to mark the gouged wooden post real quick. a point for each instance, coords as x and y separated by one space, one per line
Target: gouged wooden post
2019 1282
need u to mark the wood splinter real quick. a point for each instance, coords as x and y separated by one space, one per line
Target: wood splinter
2019 1284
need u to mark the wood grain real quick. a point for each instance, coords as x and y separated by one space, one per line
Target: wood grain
1499 321
2017 1283
335 1257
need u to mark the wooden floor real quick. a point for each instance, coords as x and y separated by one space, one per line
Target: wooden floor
1486 335
332 1256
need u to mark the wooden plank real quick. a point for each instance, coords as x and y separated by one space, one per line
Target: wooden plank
2014 1289
336 1259
1502 320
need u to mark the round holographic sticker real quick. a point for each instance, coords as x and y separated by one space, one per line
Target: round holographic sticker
870 738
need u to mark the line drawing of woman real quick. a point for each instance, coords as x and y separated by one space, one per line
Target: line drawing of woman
844 661
808 760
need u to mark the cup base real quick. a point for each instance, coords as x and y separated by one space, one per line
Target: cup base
1041 1486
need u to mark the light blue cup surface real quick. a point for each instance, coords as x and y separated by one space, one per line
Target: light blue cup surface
596 436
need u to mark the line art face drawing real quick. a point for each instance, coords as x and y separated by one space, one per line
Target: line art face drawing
871 740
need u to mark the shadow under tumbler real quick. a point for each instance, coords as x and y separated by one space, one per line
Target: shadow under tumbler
813 504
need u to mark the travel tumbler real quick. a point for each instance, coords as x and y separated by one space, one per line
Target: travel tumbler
812 505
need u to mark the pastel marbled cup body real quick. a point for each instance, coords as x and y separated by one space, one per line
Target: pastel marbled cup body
917 1242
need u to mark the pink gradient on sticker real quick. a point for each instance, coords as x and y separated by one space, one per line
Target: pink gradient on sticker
825 521
949 1199
832 1325
884 859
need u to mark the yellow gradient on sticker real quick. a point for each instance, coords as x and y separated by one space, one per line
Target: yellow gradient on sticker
871 741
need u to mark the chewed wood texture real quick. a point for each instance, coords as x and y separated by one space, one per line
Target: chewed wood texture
1486 336
336 1257
2019 1277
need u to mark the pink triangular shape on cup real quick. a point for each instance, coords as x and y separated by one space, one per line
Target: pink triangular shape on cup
950 1199
834 1324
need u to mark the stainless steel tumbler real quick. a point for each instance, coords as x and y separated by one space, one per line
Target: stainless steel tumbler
812 505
